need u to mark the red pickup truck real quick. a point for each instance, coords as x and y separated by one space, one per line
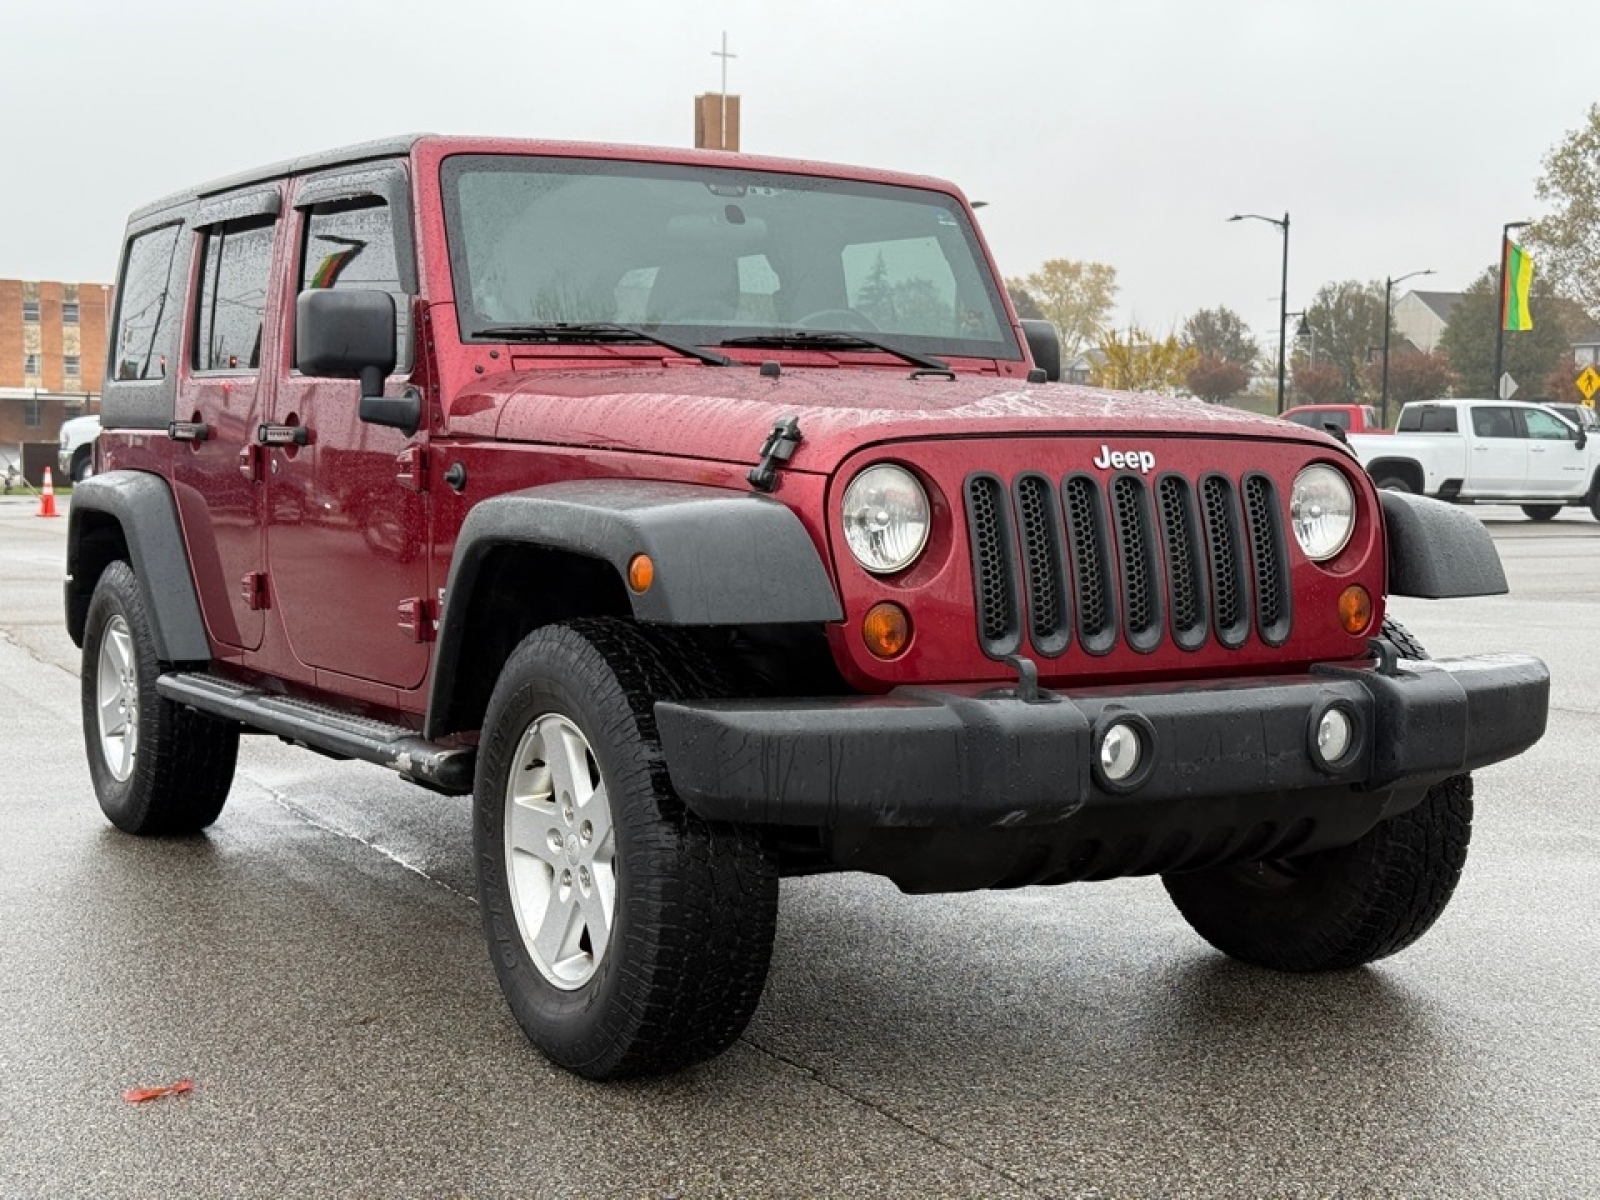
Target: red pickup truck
1352 418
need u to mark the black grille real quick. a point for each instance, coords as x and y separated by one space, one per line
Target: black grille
1126 562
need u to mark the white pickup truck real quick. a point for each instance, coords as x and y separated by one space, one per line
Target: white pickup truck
1499 451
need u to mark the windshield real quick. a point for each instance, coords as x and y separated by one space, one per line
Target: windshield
715 254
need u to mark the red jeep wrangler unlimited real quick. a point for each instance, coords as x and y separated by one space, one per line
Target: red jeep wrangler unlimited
711 519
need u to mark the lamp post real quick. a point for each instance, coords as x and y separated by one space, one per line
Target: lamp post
1500 308
1388 296
1283 294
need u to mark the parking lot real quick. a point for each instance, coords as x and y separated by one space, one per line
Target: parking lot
315 965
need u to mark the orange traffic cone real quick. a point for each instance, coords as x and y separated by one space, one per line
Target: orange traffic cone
47 498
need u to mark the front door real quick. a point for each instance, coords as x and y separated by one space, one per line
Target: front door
348 531
1556 467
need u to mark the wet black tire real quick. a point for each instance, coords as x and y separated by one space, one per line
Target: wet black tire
672 975
1541 512
157 767
1343 907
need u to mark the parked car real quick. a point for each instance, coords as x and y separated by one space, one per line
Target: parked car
1352 418
1503 451
76 458
1581 416
710 519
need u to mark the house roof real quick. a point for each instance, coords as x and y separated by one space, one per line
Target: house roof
1442 304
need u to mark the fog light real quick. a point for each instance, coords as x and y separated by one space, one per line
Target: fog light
1335 733
1120 752
886 629
1355 610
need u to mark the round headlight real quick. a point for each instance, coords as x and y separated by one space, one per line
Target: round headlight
885 519
1322 510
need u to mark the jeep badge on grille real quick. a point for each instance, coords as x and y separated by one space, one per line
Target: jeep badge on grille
1141 460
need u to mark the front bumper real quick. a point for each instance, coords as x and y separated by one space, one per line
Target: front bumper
987 758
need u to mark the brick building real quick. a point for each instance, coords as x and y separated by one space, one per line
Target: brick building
52 353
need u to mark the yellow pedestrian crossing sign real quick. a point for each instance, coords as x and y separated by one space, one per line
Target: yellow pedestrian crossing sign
1589 384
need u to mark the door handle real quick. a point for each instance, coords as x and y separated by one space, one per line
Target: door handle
283 435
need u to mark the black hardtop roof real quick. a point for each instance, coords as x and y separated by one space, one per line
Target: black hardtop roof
394 147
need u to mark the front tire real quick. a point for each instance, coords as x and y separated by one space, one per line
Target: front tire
629 936
83 464
1541 512
1346 906
158 768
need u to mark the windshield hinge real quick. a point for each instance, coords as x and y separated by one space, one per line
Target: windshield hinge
778 449
412 468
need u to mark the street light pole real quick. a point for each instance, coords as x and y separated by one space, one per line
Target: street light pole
1283 293
1500 308
1388 295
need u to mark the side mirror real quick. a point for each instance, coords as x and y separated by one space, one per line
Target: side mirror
1044 344
350 335
1583 438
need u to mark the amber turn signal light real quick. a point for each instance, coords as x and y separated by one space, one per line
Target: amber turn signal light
641 573
886 629
1355 610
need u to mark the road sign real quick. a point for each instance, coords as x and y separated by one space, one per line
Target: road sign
1589 384
1508 386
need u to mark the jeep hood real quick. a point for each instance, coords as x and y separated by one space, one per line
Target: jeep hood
724 414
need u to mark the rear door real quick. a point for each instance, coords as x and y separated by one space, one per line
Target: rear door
349 525
222 396
1497 457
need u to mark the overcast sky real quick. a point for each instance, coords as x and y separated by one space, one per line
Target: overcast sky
1399 135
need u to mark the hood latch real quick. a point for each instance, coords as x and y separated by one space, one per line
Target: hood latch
778 449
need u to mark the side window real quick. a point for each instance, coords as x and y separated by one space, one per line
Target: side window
350 244
146 309
235 265
1545 427
1491 422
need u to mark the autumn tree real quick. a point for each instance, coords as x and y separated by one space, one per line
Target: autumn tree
1140 363
1413 376
1347 319
1027 307
1077 296
1531 355
1221 334
1318 382
1566 243
1217 379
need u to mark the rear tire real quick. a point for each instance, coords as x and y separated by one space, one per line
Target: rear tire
1346 906
158 767
1541 512
1393 483
83 464
629 936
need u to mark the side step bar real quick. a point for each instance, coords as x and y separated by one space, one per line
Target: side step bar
432 764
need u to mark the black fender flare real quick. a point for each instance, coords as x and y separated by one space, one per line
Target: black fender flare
721 557
1438 551
142 507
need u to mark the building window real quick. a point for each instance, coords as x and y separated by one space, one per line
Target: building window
30 364
69 365
33 412
69 312
30 311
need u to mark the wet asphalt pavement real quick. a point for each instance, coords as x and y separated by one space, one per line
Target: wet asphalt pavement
314 963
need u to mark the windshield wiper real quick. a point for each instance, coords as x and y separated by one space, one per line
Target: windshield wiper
598 331
801 339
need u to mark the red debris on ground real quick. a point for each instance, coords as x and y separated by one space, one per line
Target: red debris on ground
144 1095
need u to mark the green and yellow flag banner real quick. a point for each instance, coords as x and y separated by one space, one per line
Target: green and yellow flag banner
1518 278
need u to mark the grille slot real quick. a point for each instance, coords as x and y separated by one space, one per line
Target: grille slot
1185 583
1124 561
1139 561
1044 564
994 566
1268 556
1091 564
